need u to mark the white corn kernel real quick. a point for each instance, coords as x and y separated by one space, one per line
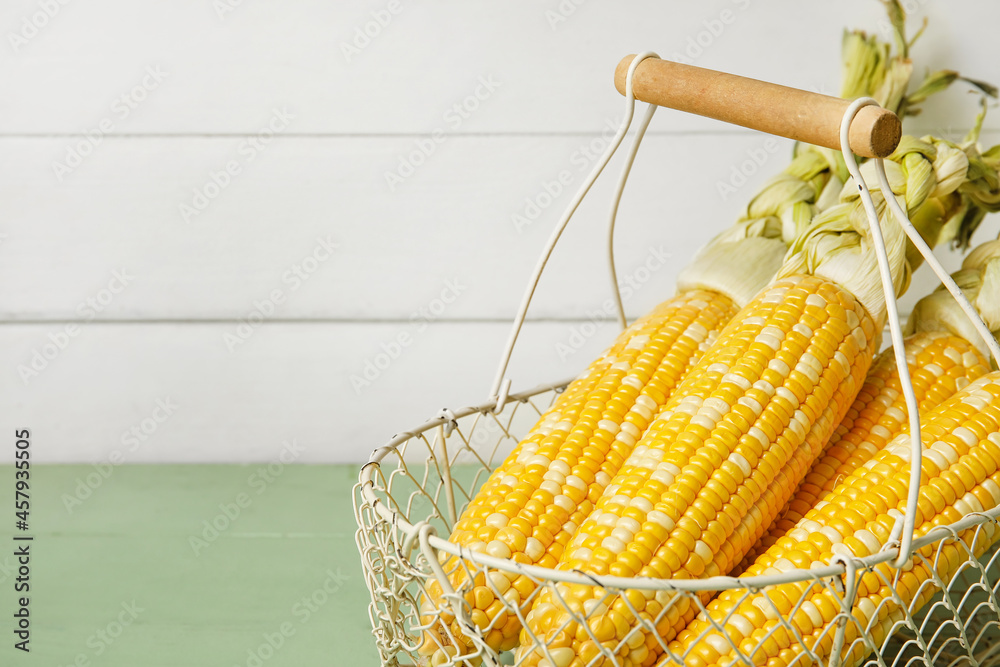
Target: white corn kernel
812 611
662 476
934 370
641 504
499 581
498 549
816 300
609 426
740 462
882 432
764 386
769 341
629 524
751 403
637 342
564 502
832 534
779 367
738 380
550 486
560 466
719 643
742 624
947 451
966 436
622 535
868 538
760 436
660 518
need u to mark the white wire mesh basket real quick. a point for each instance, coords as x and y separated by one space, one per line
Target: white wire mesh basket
413 489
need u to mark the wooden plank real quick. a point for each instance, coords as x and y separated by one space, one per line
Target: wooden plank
279 583
225 70
175 392
475 214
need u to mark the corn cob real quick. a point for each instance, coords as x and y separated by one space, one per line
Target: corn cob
940 364
961 459
880 408
760 401
946 350
961 463
528 507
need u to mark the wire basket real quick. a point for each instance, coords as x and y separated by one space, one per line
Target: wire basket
413 489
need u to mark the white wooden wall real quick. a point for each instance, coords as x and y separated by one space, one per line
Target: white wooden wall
166 168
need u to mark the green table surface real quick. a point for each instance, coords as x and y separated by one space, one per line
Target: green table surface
130 575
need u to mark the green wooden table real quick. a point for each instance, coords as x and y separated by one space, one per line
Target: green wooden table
188 565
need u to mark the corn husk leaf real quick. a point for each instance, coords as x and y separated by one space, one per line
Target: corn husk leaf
951 165
981 255
830 194
986 88
781 191
979 280
897 19
938 311
796 218
838 247
891 92
933 83
988 300
738 263
864 62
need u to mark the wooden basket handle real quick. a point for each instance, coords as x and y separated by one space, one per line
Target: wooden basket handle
787 112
